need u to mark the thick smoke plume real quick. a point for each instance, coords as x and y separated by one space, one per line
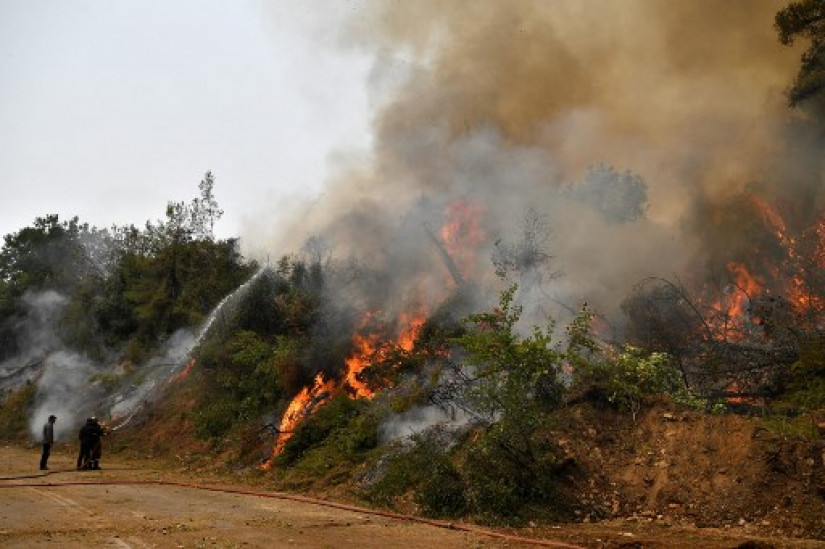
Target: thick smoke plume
506 107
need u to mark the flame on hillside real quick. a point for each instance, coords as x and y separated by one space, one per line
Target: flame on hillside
368 349
793 274
462 233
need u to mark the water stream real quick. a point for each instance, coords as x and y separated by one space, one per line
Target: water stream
126 403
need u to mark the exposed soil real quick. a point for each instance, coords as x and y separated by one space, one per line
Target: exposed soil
670 469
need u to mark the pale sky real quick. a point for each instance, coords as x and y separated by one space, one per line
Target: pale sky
110 109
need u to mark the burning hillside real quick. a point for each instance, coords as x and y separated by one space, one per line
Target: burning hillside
595 143
566 208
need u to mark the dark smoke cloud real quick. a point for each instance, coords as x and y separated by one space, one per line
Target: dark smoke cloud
507 104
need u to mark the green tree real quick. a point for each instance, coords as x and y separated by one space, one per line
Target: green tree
805 19
49 255
514 387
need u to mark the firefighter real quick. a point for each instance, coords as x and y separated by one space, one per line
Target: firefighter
97 446
89 436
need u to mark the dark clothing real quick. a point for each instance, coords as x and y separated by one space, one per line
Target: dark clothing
44 457
48 440
90 435
85 456
48 433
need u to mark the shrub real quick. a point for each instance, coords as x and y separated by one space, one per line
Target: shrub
441 493
422 466
622 379
507 468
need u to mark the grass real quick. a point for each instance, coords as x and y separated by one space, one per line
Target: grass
792 427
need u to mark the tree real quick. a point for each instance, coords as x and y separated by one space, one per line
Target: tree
619 197
204 211
805 19
49 255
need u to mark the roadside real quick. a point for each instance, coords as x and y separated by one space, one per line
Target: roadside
137 503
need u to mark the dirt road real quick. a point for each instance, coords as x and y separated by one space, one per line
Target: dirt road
132 504
122 505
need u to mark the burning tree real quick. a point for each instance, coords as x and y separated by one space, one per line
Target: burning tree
749 332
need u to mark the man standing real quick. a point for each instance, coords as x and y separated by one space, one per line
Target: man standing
48 440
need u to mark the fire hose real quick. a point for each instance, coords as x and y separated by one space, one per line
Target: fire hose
305 499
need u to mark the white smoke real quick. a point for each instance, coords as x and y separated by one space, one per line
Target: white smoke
63 390
422 418
37 338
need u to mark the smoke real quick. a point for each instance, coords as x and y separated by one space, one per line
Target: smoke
37 338
422 418
63 390
73 387
505 106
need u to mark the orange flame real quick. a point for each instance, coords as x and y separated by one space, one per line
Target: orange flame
747 284
299 408
462 233
367 351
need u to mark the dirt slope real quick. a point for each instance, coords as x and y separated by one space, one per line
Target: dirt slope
673 467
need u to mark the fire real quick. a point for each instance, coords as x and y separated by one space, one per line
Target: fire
791 273
748 286
301 406
796 273
462 233
772 219
367 350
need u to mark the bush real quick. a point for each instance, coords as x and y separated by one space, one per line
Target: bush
424 468
506 469
242 381
623 379
441 493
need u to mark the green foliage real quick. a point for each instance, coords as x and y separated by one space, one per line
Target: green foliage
176 287
48 256
424 468
242 381
514 376
442 493
623 379
791 427
14 413
805 19
509 467
513 388
805 386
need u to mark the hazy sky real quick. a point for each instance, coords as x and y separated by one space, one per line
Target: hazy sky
110 109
